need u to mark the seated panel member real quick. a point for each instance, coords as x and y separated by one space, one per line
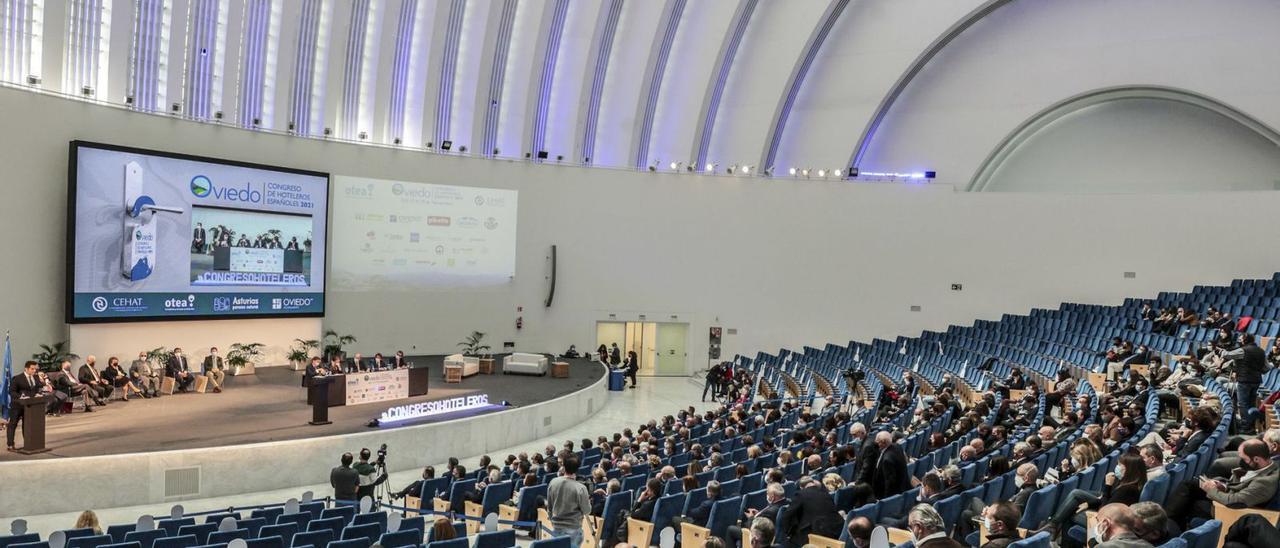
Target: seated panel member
398 361
144 377
178 370
115 375
379 363
335 365
69 384
356 364
90 377
214 369
56 397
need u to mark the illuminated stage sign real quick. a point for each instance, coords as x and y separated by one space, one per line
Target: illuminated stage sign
431 408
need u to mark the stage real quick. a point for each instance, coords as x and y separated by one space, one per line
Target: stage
270 406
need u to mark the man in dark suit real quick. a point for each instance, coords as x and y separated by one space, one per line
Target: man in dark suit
198 239
776 496
23 385
214 370
927 528
356 364
379 363
178 370
98 386
889 476
701 513
314 369
398 361
615 355
68 384
812 511
1251 364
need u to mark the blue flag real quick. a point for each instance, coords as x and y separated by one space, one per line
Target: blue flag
4 378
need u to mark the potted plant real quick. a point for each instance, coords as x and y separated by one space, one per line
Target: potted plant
51 356
242 357
471 345
300 353
333 343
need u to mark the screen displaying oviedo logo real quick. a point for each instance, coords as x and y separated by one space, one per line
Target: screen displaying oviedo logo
203 187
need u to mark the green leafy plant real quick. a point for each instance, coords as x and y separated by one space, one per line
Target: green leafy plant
51 356
159 356
334 342
242 354
471 345
301 349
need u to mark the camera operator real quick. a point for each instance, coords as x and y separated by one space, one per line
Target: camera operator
344 479
369 472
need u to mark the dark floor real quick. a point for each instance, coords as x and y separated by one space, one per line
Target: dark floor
268 406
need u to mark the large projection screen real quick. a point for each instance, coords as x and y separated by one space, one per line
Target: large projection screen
161 236
403 236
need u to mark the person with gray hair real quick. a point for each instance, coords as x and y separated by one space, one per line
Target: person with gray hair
1115 527
927 528
1152 522
776 495
762 533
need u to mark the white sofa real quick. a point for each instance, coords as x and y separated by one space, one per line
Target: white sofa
529 364
470 364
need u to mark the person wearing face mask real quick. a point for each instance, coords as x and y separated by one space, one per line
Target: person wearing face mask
1251 485
144 377
1230 460
1250 365
776 496
927 528
1123 485
1115 528
1001 522
213 369
178 370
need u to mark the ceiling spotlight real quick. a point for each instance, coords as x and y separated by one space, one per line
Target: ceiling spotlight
746 170
792 171
822 173
675 166
709 168
836 173
805 172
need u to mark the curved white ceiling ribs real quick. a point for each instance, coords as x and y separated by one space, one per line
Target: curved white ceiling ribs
552 31
601 47
657 67
715 88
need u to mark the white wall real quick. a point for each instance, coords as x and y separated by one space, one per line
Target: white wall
786 262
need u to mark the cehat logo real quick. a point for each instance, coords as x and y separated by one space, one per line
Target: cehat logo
479 199
99 304
201 186
397 189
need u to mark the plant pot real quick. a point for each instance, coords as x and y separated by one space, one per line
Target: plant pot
297 365
237 370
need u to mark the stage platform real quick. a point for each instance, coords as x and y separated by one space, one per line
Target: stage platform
267 407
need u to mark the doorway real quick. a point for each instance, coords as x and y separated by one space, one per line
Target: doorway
659 347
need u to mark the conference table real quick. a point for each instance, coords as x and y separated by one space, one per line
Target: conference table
377 386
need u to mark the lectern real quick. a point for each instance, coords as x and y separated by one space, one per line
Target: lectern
319 397
32 424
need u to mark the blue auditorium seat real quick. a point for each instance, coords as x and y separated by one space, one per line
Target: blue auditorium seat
1203 536
319 538
285 531
416 522
117 532
401 539
269 514
314 508
201 531
1039 507
1038 540
253 525
460 542
666 508
37 544
372 518
301 519
223 537
146 538
347 513
553 542
94 541
331 524
459 530
351 543
369 531
122 545
77 533
184 541
1174 543
265 542
496 539
172 526
723 514
613 507
217 518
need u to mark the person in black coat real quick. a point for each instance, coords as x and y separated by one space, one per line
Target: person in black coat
89 377
889 474
1251 364
178 370
23 385
812 511
701 513
632 366
314 369
615 355
776 496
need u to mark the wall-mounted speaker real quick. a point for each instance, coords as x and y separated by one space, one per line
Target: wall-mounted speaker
551 287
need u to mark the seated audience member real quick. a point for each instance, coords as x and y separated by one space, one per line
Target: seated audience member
930 493
90 377
1230 460
643 509
69 384
927 528
1252 485
1063 387
572 352
415 488
776 496
443 529
1152 524
1121 486
860 531
378 363
89 520
1147 313
1116 528
1252 531
56 397
1164 322
116 377
214 370
601 495
144 377
178 370
812 511
1001 521
762 533
698 515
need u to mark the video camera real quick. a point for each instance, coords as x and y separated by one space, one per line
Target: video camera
382 455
